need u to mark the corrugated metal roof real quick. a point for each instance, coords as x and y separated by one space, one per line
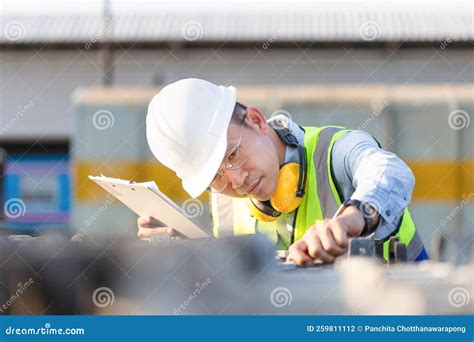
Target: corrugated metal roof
324 25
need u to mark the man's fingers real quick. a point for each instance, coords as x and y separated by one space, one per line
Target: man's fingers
146 233
144 222
315 249
148 222
328 242
325 241
339 231
298 254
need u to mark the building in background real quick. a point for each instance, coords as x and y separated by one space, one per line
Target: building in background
402 72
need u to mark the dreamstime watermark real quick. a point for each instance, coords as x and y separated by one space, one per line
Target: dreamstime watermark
14 31
192 208
466 199
266 44
103 296
370 30
444 44
459 296
104 28
14 208
88 221
103 119
367 300
379 110
280 297
286 204
458 119
19 114
46 330
21 288
192 30
199 288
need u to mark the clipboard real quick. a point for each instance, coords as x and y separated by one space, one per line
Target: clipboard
146 199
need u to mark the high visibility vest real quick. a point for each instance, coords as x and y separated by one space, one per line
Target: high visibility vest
321 200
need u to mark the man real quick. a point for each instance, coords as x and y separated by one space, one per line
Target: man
347 186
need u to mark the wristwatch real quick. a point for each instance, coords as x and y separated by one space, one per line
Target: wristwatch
367 212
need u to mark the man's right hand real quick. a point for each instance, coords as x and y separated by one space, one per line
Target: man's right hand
149 226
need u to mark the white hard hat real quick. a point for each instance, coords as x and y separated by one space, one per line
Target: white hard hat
186 129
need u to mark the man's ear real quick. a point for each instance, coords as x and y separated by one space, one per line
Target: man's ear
256 120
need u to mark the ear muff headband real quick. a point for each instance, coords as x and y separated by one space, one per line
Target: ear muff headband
262 211
303 172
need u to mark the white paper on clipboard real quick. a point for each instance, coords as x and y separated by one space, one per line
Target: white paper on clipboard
146 199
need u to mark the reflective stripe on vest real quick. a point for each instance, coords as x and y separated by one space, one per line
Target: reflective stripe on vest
327 192
321 200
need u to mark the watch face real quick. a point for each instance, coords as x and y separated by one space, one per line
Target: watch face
367 210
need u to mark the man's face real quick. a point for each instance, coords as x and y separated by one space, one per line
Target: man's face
257 176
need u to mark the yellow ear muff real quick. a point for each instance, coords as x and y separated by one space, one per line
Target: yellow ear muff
262 211
284 198
290 189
